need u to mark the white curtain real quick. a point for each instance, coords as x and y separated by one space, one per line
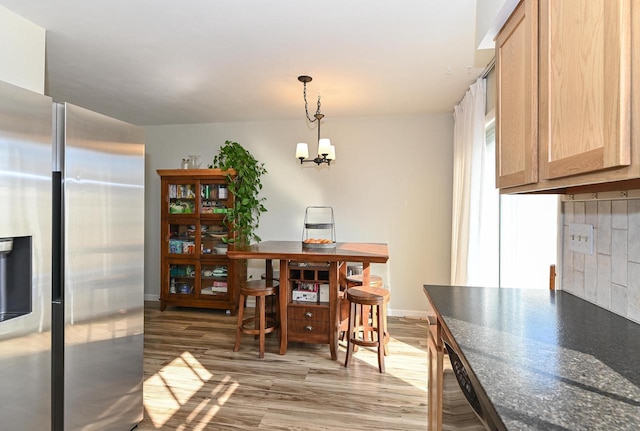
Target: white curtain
469 152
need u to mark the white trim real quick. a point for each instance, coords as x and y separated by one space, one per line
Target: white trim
151 297
489 118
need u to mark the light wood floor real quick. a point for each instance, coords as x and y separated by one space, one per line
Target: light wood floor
194 380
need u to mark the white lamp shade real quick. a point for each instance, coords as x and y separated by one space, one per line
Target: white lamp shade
332 152
324 146
302 151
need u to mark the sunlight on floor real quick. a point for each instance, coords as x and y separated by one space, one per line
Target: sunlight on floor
177 383
183 394
406 357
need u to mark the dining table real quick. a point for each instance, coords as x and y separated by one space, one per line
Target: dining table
337 256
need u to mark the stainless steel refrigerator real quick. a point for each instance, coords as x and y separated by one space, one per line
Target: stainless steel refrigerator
71 266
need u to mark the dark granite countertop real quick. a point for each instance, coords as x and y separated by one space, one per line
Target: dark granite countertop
546 360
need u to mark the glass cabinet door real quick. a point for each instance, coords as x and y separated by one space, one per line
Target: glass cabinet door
212 237
213 198
213 280
182 198
182 238
182 279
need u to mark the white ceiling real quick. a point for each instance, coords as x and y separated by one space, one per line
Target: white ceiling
199 61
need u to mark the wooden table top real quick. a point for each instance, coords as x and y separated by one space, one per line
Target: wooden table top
293 250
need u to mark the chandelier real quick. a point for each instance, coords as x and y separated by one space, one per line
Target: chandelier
326 151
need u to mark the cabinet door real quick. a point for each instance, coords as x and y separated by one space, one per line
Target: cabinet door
585 82
182 281
181 238
213 234
214 198
181 198
517 98
214 281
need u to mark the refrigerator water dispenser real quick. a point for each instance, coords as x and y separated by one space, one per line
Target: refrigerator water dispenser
15 277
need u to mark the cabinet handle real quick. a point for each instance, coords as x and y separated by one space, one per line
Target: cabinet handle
308 328
308 314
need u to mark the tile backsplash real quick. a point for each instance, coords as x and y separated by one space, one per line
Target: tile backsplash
610 277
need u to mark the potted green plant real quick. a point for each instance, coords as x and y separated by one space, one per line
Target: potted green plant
245 186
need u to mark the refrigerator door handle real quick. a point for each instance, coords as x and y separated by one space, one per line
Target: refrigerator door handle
57 252
57 305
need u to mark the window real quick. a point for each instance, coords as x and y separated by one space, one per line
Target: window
520 241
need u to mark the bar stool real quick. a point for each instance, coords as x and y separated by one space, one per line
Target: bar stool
261 323
372 297
353 281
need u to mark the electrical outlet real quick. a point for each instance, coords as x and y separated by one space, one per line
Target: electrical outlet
581 238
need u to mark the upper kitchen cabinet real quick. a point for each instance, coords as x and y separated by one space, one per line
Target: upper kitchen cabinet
517 98
586 97
585 86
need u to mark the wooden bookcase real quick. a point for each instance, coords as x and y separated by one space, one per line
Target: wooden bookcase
195 270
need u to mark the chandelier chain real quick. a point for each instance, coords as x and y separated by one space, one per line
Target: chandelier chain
306 107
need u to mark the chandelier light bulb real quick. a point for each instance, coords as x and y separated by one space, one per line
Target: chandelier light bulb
332 153
324 147
302 151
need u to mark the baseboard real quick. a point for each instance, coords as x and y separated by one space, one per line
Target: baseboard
411 314
151 297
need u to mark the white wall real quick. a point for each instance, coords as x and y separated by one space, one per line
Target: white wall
610 277
391 183
22 50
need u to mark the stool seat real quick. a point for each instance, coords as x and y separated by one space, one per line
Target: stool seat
358 298
260 287
261 323
367 295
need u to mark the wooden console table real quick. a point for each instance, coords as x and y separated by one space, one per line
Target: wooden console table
287 251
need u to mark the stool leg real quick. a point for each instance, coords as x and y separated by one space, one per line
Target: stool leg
236 347
256 316
358 326
262 324
350 330
386 329
381 342
367 322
